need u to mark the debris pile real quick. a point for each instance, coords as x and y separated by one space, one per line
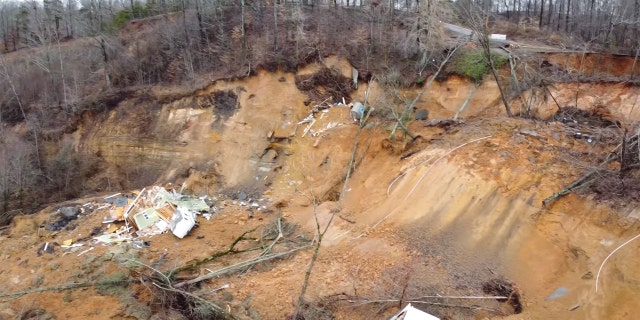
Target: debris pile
128 218
311 118
156 210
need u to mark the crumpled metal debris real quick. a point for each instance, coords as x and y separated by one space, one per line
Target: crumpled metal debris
158 209
151 211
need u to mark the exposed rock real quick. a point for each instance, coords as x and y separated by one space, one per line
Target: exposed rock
69 213
422 114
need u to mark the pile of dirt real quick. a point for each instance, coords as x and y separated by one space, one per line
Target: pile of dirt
326 83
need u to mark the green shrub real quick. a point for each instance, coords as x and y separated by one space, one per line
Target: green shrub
474 64
122 16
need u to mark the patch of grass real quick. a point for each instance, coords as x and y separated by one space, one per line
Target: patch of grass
473 64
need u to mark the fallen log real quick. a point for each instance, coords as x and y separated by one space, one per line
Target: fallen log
581 182
239 266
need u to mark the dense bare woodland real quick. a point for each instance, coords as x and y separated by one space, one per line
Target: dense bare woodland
64 58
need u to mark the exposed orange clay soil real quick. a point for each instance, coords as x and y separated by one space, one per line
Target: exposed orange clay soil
441 215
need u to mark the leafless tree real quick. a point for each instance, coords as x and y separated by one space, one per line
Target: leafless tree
478 20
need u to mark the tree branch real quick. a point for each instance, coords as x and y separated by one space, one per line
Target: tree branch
241 265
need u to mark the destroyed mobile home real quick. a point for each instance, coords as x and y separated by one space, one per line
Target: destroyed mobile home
156 210
144 213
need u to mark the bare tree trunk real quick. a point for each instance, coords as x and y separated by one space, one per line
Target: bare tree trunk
591 26
99 13
541 14
503 96
275 26
5 29
549 15
201 29
188 58
165 11
244 35
566 17
62 77
636 27
71 8
559 8
607 38
105 60
486 46
16 39
466 101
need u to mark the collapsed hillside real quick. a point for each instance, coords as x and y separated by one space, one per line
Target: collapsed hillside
456 212
53 84
57 85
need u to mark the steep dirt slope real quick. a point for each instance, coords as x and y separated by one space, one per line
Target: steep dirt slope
443 215
216 130
477 213
157 135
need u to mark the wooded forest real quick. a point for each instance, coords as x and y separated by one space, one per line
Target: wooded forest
613 25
